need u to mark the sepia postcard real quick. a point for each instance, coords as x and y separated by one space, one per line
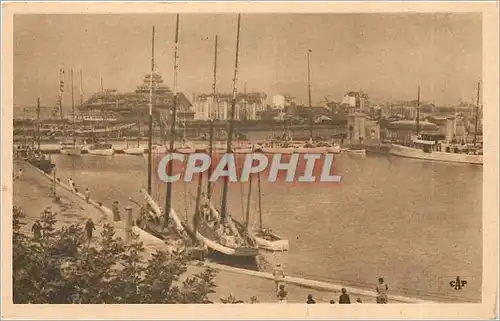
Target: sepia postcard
244 160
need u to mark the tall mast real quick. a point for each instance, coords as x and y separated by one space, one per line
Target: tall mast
249 197
418 111
172 124
38 123
150 120
81 88
477 113
244 99
61 91
309 92
102 85
212 118
231 123
259 200
73 106
196 218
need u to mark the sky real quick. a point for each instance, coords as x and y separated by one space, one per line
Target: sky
385 55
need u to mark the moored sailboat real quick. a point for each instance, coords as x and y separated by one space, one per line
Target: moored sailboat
217 229
265 238
71 148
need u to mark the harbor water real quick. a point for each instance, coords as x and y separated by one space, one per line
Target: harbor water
418 224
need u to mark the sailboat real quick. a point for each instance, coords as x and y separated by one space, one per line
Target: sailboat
217 229
310 146
71 148
155 222
39 159
266 239
105 148
424 146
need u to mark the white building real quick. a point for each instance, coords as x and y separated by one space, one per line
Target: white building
278 102
246 108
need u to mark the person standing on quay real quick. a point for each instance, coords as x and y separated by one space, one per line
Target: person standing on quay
279 275
89 228
344 298
310 299
116 211
382 289
20 174
87 195
37 230
282 294
71 185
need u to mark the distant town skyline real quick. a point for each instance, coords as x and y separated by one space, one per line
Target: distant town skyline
385 55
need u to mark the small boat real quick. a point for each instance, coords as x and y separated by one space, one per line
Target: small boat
41 162
243 149
134 151
355 152
138 150
105 149
186 148
71 149
335 149
309 148
268 240
278 148
265 238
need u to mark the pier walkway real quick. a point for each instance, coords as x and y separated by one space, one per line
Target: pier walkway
34 193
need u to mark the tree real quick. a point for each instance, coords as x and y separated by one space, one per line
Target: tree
62 268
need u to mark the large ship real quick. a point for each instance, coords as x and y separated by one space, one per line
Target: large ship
428 150
427 147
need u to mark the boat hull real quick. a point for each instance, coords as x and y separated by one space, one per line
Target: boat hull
43 164
186 150
270 241
101 152
309 150
355 152
134 151
72 151
207 237
409 152
333 149
278 150
243 150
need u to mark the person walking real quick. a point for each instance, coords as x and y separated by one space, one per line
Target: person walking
344 298
37 230
87 195
20 174
382 289
89 228
279 276
71 185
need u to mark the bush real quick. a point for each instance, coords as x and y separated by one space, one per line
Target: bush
61 267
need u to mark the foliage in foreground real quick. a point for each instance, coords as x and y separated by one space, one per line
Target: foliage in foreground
62 268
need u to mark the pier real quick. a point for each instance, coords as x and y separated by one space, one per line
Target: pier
35 192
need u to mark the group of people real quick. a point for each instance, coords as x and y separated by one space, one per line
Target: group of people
38 234
344 298
73 188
